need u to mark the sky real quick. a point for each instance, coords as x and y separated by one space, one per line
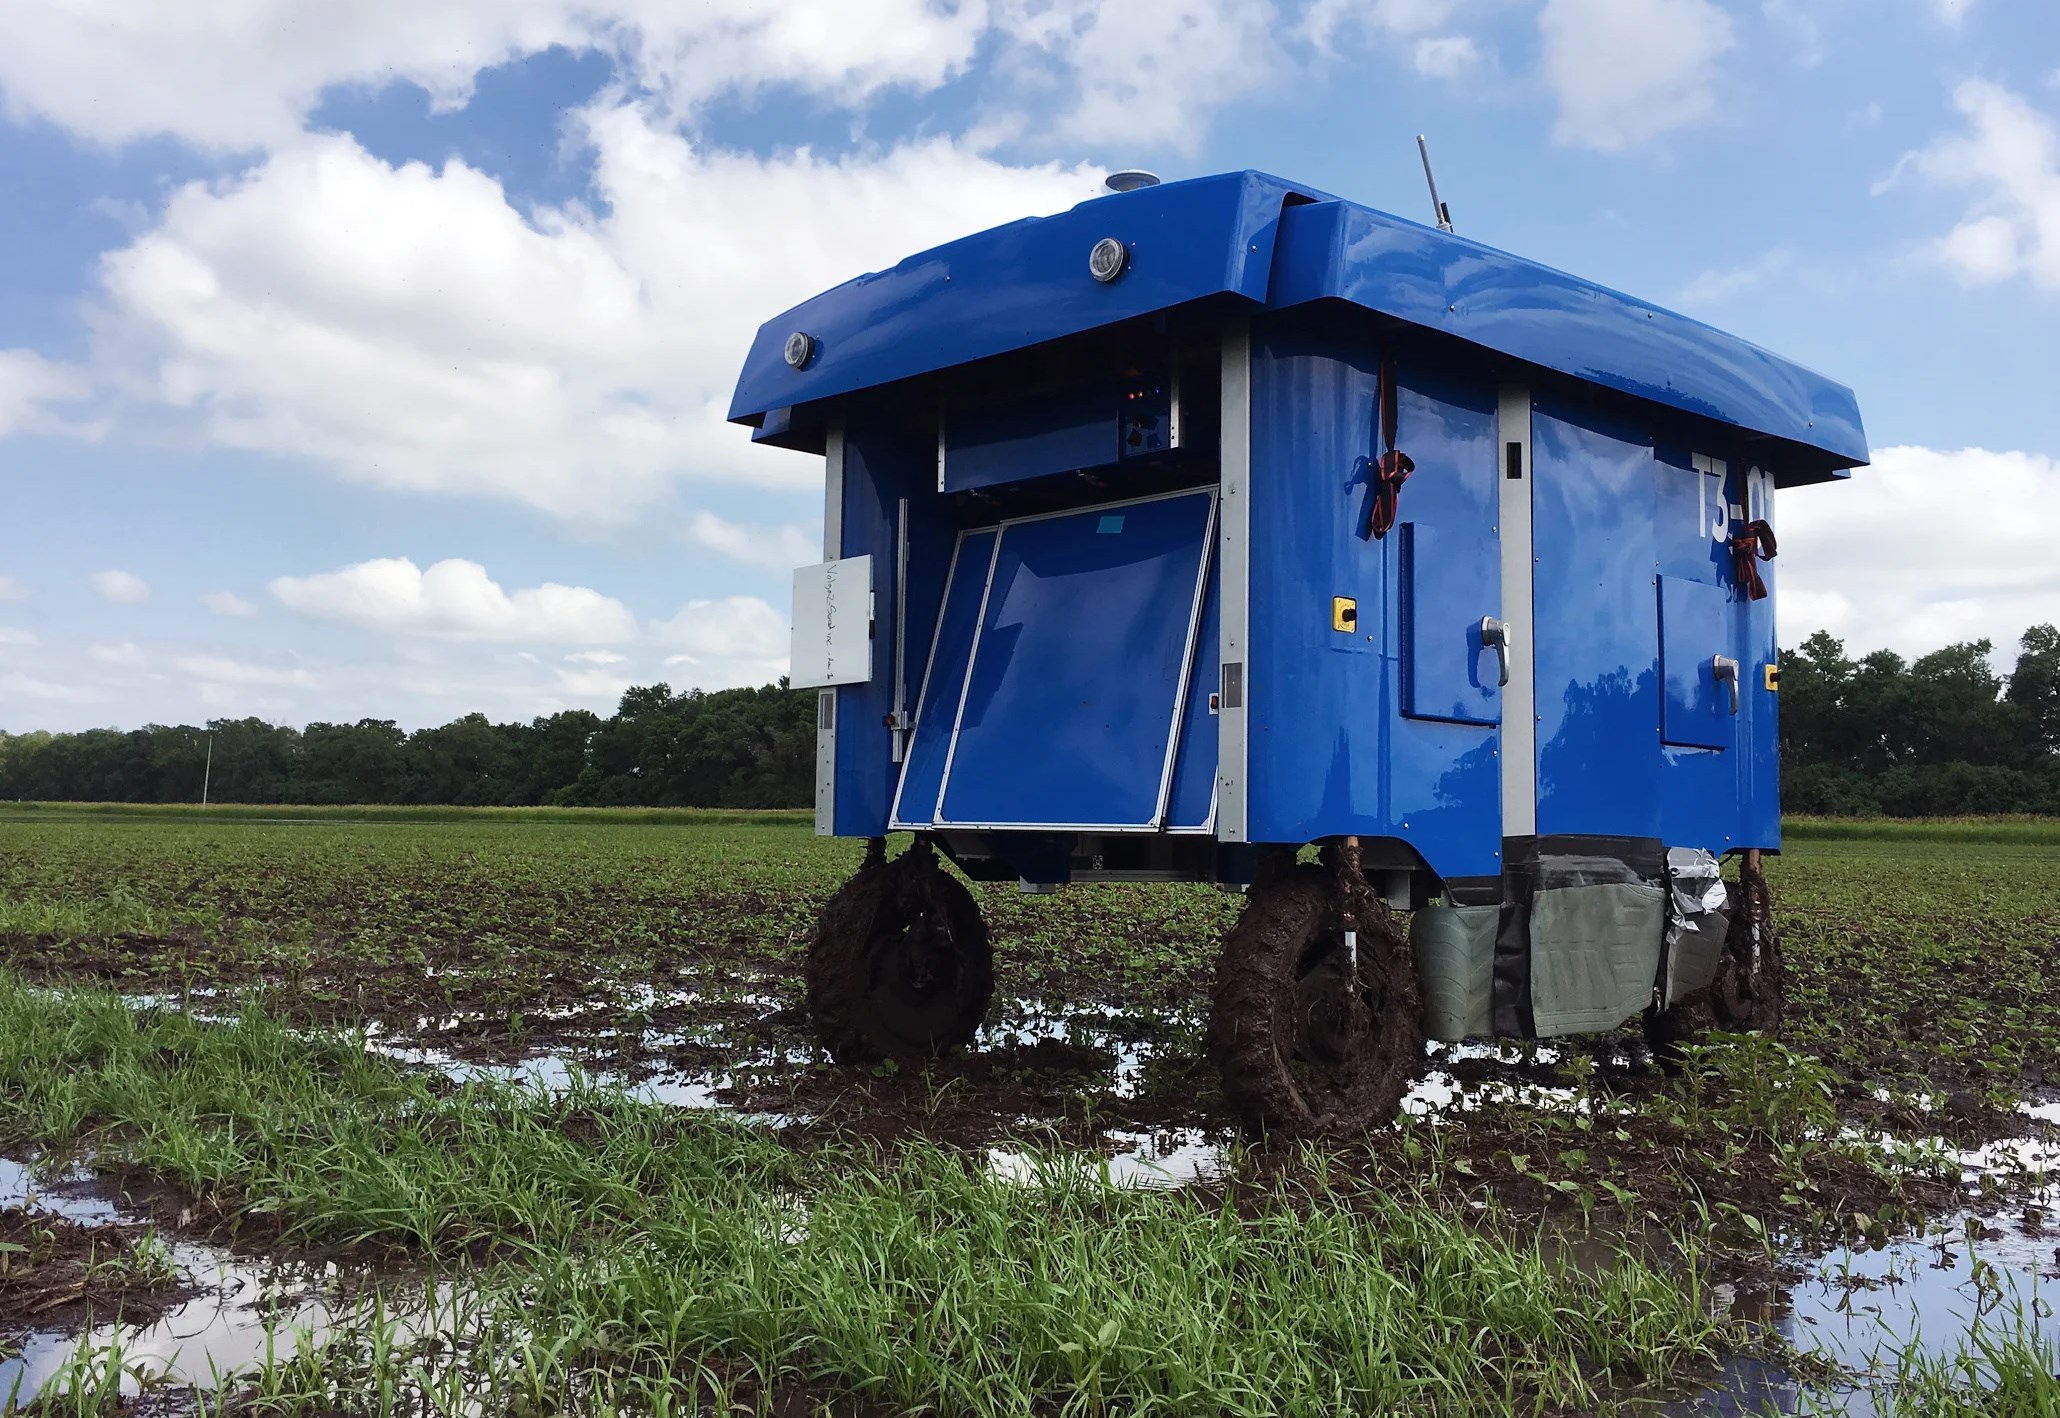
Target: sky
370 360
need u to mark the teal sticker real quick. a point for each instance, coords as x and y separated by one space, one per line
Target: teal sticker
1113 522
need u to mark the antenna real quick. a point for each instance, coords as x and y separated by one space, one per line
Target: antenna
1439 210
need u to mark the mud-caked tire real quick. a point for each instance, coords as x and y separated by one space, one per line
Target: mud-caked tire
1307 1042
899 965
1747 995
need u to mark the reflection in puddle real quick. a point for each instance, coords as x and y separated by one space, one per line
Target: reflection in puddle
248 1309
1171 1157
1864 1309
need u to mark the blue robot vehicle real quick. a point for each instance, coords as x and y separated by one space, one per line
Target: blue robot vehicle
1225 531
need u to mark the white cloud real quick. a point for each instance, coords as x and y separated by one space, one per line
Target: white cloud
737 640
12 589
1144 75
126 655
1952 12
596 657
1725 283
1326 20
780 548
592 683
457 600
406 326
227 603
1628 70
23 687
122 587
2011 151
28 383
1445 56
17 635
222 670
1923 549
244 74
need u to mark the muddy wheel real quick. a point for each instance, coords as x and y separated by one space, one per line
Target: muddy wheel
1310 1042
898 965
1748 992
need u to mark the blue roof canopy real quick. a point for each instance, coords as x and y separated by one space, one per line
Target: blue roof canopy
1259 241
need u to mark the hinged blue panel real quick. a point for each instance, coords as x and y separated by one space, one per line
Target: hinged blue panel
1450 579
1078 668
1695 628
922 775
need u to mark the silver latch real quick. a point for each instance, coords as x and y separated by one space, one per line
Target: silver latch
1726 670
1495 636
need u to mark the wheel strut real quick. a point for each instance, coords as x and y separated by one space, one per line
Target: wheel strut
898 965
1316 1028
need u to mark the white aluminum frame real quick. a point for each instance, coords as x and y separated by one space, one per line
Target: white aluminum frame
1000 529
826 699
1234 530
1519 616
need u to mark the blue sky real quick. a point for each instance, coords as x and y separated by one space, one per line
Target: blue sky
369 359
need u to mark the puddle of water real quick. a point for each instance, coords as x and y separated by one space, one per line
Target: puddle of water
1158 1160
246 1308
1864 1308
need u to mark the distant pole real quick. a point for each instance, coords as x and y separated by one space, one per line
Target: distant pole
208 771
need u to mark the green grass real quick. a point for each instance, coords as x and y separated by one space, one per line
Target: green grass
2000 831
642 1248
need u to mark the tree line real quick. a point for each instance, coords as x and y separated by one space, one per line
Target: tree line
1940 735
734 748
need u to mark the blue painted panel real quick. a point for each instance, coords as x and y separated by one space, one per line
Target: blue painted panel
886 460
1449 581
1329 749
1597 634
1027 283
1193 800
1721 801
1087 426
1561 322
1019 285
923 773
1069 708
1695 626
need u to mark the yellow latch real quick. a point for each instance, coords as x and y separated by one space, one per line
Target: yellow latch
1773 679
1344 613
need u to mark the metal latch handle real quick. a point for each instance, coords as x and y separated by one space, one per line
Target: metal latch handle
1726 670
1495 636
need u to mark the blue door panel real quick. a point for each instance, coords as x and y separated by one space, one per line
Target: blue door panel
1331 748
1449 577
1193 801
1071 700
922 775
1597 639
1695 628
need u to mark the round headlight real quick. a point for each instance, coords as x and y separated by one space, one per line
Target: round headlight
1107 260
800 349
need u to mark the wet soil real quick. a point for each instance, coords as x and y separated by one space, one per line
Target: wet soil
64 1275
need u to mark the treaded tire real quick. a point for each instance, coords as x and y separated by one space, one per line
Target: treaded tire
1748 994
898 965
1303 1048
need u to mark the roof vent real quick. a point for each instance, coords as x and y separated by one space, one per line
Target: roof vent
1130 179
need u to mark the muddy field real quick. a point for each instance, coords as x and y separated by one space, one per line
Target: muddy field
522 1116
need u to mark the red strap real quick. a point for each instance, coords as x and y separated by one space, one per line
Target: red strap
1753 545
1393 467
